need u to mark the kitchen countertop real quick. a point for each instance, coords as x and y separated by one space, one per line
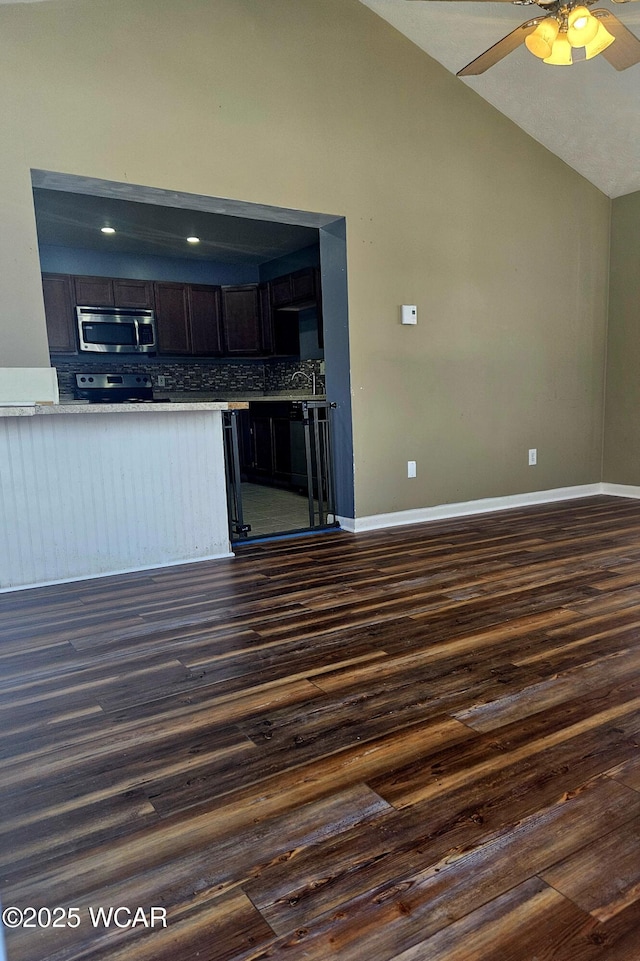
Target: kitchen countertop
233 397
185 400
82 407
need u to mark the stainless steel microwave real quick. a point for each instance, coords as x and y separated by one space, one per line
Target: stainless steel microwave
116 330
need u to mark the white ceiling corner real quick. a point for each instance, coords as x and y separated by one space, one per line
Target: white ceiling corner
587 114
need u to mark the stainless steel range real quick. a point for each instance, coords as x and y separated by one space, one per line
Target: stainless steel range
114 388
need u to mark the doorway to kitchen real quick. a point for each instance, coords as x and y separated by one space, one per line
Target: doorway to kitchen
271 511
299 447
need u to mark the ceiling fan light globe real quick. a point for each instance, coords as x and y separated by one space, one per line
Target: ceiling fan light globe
579 12
561 55
582 27
600 42
540 42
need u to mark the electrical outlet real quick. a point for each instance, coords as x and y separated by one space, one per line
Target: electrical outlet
533 456
411 468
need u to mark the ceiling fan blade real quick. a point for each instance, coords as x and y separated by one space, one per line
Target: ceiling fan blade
626 49
500 49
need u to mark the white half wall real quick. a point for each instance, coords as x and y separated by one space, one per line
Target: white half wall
86 495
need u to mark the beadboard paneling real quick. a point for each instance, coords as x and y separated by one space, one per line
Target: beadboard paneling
87 495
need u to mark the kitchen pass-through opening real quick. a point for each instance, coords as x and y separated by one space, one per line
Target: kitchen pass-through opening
153 215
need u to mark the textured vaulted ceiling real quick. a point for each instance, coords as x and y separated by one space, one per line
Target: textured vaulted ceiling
588 114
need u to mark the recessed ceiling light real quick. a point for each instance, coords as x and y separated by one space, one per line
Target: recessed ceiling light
108 230
193 240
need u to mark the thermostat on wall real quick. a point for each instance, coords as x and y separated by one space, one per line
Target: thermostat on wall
409 314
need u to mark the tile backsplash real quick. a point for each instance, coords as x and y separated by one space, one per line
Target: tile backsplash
264 376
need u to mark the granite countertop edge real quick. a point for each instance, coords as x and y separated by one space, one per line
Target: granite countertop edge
182 400
80 407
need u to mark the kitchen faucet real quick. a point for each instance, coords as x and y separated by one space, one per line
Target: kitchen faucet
309 380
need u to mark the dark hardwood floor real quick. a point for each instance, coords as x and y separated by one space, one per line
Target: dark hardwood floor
412 745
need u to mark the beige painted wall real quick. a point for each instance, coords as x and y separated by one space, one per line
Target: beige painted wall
622 425
320 105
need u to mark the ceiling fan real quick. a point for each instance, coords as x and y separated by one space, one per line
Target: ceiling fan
565 33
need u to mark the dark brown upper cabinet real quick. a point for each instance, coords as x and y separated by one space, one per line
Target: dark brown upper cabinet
241 320
266 318
296 289
205 318
281 291
197 320
303 286
94 291
60 313
188 319
113 292
133 293
172 318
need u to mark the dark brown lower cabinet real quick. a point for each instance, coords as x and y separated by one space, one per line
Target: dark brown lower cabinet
261 447
270 433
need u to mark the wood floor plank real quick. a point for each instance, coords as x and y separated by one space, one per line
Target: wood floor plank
580 644
398 916
216 933
563 686
419 782
44 836
627 772
198 879
347 765
603 894
417 744
530 921
401 842
533 922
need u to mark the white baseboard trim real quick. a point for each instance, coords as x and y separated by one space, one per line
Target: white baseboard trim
620 490
484 505
128 570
